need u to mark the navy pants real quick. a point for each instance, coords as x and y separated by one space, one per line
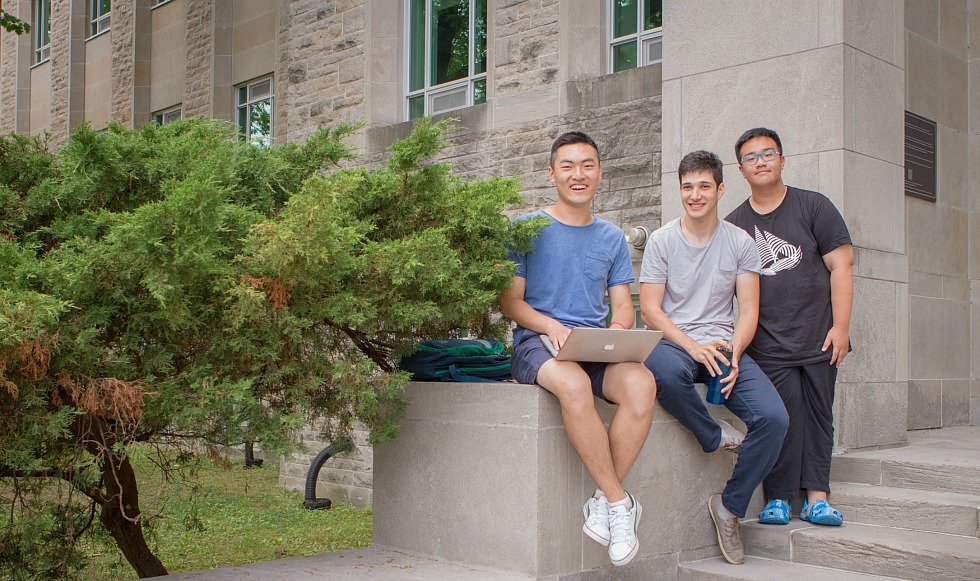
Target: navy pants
753 400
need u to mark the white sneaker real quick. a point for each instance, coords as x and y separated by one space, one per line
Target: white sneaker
623 522
596 513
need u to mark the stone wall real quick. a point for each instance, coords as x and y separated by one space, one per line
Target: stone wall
938 51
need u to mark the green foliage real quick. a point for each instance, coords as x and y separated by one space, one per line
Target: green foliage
173 284
11 23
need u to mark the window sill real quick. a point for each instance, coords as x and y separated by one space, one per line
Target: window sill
39 63
94 36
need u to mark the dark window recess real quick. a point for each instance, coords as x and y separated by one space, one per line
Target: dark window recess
920 157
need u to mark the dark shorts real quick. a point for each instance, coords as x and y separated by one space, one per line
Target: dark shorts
530 354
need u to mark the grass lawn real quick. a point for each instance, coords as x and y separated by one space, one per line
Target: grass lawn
220 516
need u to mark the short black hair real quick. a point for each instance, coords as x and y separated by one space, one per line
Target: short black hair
570 138
752 134
698 161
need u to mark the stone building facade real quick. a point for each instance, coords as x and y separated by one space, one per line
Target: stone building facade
833 77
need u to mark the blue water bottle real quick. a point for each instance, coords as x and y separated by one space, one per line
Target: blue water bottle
714 394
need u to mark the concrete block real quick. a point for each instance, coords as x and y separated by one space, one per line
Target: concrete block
876 28
955 73
956 402
740 37
883 266
931 476
925 404
956 288
854 468
974 246
941 512
771 542
953 168
505 446
926 338
875 331
975 401
525 106
873 206
874 117
929 224
956 339
974 107
925 285
803 81
871 414
923 74
759 569
953 27
890 552
922 18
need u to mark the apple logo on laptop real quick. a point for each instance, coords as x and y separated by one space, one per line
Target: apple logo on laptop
610 347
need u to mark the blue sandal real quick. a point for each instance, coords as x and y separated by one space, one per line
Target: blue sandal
821 513
777 512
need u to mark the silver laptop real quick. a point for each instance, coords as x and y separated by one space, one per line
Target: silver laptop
606 345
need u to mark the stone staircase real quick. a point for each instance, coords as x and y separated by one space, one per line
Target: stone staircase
911 513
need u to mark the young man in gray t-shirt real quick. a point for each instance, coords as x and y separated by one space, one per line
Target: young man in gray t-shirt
692 269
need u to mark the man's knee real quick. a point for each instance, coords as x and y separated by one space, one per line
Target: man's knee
569 383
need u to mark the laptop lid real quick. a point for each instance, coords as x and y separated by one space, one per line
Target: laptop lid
608 345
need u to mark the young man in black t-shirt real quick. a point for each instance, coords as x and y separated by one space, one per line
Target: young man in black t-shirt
806 290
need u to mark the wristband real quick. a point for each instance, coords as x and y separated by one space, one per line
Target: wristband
622 326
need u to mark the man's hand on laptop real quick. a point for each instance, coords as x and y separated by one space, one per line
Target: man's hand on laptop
557 333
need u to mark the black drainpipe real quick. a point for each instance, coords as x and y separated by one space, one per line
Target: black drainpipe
310 501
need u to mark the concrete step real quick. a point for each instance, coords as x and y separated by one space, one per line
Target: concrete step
879 550
945 460
923 510
758 569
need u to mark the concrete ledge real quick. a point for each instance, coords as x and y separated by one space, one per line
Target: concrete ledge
484 474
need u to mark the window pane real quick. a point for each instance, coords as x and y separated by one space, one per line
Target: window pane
242 95
480 37
454 99
260 89
624 17
243 120
416 45
624 56
416 107
260 123
104 6
479 91
450 40
653 14
655 51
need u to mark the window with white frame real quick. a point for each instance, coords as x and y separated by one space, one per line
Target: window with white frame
254 102
635 33
41 30
447 55
99 13
167 116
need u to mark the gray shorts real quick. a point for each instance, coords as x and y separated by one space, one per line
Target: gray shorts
530 354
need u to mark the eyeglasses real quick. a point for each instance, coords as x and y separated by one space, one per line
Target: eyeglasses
767 155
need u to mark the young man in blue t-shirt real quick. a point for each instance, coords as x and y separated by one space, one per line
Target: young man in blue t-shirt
692 269
562 283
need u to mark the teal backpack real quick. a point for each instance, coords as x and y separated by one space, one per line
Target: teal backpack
474 360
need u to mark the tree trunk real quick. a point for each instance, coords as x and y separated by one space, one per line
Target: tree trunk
122 518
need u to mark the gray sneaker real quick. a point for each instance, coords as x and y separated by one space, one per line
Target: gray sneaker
596 513
731 438
729 532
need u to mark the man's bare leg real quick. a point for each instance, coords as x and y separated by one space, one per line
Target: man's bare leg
573 388
632 388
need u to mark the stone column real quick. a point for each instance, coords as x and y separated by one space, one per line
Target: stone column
973 204
199 63
16 57
829 77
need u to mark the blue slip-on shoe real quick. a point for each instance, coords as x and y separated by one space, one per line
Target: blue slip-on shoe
821 513
777 512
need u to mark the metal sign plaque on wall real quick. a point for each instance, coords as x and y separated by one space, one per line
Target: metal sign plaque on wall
920 157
